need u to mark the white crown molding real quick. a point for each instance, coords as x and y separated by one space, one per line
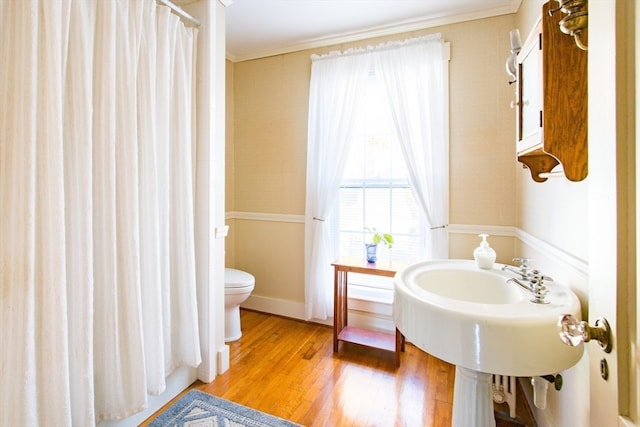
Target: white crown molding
381 31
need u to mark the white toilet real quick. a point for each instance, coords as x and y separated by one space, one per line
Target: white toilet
237 288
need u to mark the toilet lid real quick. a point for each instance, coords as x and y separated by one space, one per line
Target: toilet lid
237 279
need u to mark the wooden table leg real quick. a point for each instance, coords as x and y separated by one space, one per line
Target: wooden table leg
340 307
344 300
399 346
336 309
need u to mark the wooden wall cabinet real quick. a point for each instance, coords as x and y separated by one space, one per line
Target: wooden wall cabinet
552 101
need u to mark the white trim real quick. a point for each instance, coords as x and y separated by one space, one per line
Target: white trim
494 230
475 229
539 245
446 181
362 312
261 216
223 359
446 56
553 252
281 307
381 31
626 422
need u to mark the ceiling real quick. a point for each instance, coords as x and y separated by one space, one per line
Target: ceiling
259 28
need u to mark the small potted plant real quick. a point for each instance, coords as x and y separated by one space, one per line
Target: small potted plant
376 238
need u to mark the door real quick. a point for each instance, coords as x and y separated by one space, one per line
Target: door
612 209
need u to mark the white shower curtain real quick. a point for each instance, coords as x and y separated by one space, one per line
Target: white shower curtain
97 258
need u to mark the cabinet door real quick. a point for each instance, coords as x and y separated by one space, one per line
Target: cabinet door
529 95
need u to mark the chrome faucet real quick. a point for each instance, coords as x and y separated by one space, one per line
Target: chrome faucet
530 280
523 270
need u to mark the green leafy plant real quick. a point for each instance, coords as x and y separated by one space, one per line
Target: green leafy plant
378 237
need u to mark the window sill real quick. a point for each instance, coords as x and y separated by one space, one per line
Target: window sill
371 300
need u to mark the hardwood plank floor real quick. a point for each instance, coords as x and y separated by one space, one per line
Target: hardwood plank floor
287 368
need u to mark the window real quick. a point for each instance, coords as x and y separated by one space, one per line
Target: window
344 92
375 190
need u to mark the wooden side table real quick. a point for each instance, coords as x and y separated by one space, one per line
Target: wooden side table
341 330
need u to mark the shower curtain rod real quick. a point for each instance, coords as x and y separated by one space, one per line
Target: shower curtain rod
180 12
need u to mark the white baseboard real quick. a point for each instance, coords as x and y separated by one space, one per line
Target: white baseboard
223 359
281 307
374 315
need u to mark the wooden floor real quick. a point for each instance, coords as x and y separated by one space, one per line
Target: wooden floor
287 368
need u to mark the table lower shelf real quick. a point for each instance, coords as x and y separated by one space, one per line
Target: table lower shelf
368 338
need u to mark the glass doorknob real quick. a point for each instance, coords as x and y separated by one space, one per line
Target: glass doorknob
573 333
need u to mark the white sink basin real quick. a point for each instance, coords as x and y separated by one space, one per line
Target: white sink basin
474 319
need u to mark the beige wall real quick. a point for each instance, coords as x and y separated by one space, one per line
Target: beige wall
270 126
230 166
482 125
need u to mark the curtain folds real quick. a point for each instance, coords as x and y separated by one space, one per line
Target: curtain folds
97 260
335 88
415 82
78 185
413 72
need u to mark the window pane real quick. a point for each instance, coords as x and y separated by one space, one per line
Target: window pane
377 213
351 208
404 212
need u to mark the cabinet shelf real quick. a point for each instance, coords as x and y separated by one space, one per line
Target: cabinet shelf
368 338
552 101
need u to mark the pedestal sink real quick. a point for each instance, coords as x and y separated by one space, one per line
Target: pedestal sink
484 325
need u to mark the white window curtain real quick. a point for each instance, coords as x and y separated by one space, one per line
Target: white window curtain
335 87
417 89
414 74
97 259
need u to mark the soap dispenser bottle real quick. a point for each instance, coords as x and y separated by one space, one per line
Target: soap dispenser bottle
485 255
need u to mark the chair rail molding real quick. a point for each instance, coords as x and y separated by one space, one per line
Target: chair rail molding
263 216
552 251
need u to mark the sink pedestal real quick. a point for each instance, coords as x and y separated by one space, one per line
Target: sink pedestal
472 400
